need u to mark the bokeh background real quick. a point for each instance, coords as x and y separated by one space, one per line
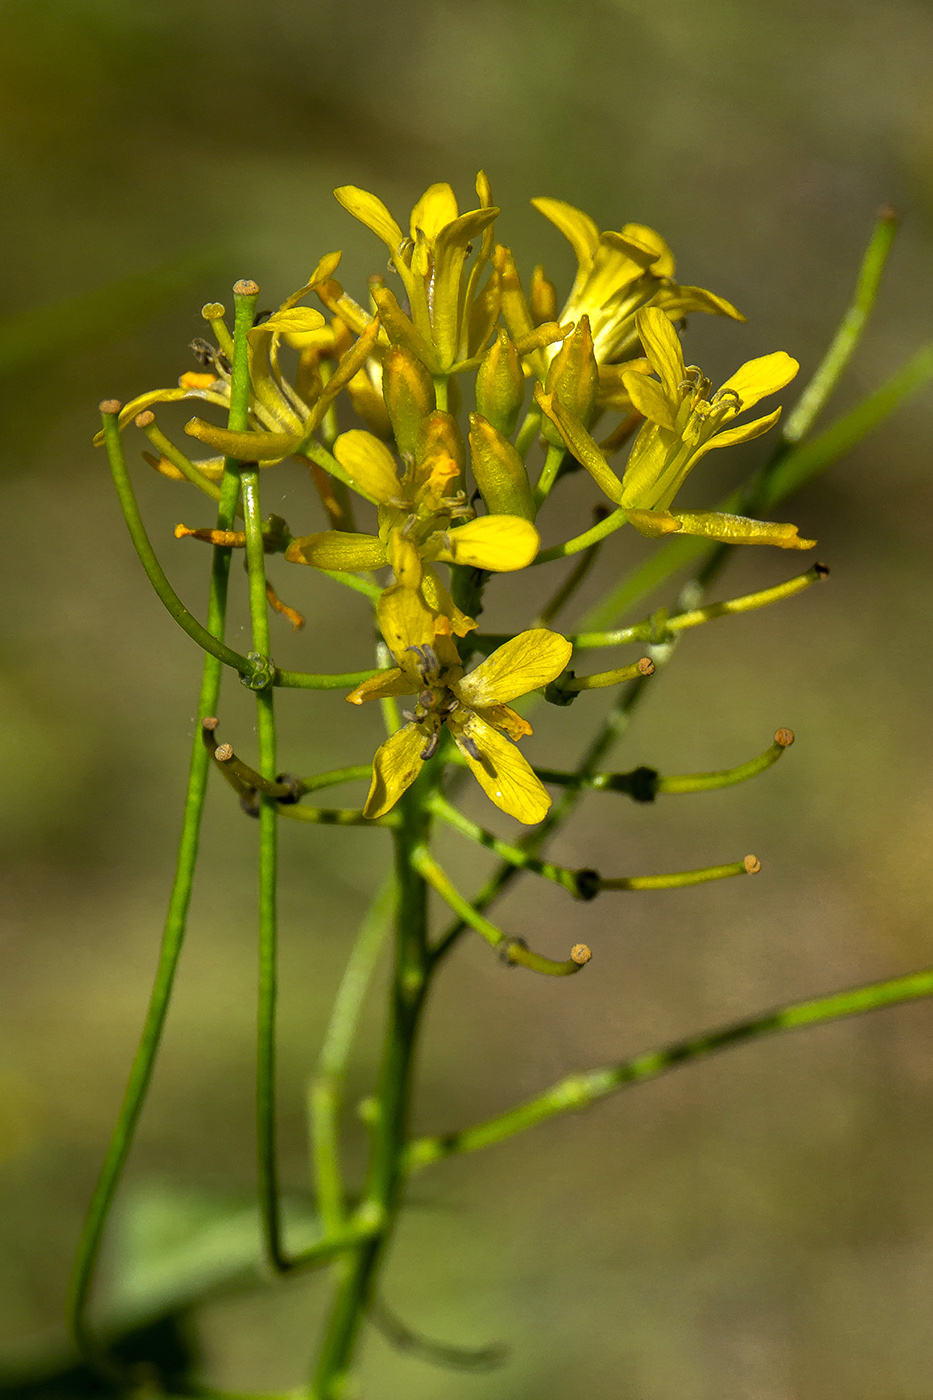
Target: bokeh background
756 1227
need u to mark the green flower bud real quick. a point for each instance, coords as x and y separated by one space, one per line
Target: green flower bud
499 471
500 385
408 390
573 379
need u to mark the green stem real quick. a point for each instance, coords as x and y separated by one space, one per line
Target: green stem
325 1094
173 935
154 571
552 465
411 973
528 430
570 584
593 535
307 680
355 773
266 1135
579 1090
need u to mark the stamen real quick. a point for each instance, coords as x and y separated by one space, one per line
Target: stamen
431 747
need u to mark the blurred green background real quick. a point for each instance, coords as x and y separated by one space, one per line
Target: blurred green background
757 1227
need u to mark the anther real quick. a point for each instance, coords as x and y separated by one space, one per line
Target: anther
784 737
431 747
580 953
752 864
245 288
469 746
110 406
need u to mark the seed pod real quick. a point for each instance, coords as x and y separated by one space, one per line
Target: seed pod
500 385
409 396
573 379
499 471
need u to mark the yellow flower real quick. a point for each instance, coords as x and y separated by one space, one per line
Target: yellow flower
475 707
619 272
420 507
432 263
683 421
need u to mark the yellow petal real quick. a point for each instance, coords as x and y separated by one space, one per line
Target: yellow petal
369 465
527 662
758 378
396 765
737 529
678 301
436 207
578 228
502 772
439 599
501 543
405 558
391 682
504 718
336 549
144 401
663 264
299 325
743 433
583 447
371 212
649 399
662 346
405 621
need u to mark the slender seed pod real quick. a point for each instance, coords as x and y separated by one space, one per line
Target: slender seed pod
499 471
500 385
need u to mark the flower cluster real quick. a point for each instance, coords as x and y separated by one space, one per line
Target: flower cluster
465 500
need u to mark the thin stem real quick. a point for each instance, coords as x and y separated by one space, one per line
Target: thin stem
579 1090
410 979
325 1093
680 878
338 816
268 1186
154 571
528 430
844 342
649 629
307 680
355 773
552 465
515 855
570 584
511 950
167 449
176 919
593 535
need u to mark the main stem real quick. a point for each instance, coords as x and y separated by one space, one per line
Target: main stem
381 1197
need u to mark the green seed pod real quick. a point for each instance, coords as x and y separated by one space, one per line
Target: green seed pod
573 379
409 396
500 385
499 471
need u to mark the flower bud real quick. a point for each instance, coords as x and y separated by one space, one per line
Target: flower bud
500 385
440 434
499 471
543 297
573 379
409 396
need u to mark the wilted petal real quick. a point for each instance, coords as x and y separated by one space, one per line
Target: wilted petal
368 464
502 772
758 378
387 683
244 447
527 662
737 529
662 346
653 523
677 301
338 550
501 543
663 261
396 765
438 598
